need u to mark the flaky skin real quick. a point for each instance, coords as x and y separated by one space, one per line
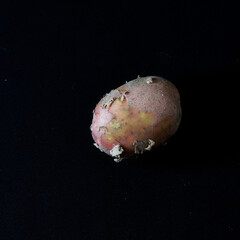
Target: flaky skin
136 117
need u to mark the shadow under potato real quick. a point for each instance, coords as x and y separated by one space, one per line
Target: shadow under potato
207 135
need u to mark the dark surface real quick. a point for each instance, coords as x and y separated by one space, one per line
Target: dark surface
56 62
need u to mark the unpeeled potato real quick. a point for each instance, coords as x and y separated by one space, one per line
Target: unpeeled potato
136 117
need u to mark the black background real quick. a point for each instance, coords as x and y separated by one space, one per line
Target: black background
57 60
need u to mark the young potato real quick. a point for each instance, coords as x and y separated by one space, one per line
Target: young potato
136 117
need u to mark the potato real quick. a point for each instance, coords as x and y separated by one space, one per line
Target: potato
136 117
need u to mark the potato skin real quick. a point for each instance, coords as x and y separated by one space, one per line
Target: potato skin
136 117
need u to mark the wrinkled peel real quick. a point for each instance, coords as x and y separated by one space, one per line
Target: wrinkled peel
142 146
116 151
97 147
149 80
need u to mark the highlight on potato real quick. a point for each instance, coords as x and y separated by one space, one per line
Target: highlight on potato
136 117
